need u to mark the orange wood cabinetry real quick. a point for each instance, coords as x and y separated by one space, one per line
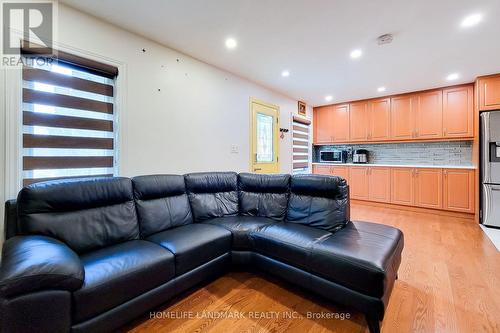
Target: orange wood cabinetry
429 115
403 117
358 183
340 171
402 186
340 123
489 93
458 112
359 121
380 119
321 169
323 124
429 188
458 190
379 184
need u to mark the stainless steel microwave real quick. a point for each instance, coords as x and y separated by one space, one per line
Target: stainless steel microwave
333 156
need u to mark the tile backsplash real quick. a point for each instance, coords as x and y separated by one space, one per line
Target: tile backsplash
453 153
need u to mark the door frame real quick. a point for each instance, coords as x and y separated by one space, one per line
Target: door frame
251 129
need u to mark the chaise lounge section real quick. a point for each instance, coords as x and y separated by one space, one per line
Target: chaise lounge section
89 255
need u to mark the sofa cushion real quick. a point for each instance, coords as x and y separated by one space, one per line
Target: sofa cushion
212 194
85 213
161 202
193 244
319 201
291 243
263 195
240 227
118 273
362 256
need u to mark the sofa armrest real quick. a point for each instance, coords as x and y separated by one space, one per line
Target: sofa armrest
31 263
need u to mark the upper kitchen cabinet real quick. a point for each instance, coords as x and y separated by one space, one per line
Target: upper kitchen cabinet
340 123
359 121
429 115
323 124
380 119
458 112
403 117
489 92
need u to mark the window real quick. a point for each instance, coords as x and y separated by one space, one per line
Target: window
301 146
68 118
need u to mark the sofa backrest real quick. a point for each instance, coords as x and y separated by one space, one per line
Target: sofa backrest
161 203
212 194
86 213
263 195
319 201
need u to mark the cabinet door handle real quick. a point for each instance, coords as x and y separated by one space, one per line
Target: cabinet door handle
444 130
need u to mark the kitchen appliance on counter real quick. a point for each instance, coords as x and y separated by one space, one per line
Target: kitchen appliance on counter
360 156
333 156
490 168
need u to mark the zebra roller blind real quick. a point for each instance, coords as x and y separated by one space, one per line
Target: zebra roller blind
301 145
68 119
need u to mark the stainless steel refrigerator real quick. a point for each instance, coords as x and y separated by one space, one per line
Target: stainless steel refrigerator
490 168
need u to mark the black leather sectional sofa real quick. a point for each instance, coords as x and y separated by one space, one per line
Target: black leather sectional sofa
89 255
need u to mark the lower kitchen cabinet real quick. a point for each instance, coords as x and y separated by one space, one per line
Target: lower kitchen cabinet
379 184
446 189
429 188
402 186
358 183
458 190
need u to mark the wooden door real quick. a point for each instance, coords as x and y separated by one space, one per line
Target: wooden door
402 186
403 117
429 115
429 188
458 112
380 119
359 120
265 141
358 183
340 171
340 122
458 190
323 124
379 184
489 93
321 169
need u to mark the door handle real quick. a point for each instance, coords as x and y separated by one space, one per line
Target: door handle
257 169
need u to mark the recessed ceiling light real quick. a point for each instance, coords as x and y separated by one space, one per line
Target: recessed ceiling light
231 43
285 73
381 89
452 77
329 98
355 54
471 20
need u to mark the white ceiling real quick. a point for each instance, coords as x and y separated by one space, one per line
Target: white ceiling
313 38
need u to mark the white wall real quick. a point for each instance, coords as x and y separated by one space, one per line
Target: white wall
179 116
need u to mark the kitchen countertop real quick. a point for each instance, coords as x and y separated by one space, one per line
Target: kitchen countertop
399 165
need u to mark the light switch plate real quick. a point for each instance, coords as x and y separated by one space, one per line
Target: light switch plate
234 149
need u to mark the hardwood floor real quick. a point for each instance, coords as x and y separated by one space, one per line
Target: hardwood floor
449 281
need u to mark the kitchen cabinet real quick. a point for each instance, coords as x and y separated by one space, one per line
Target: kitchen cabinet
489 92
429 115
458 112
323 124
340 123
340 171
358 182
359 121
402 186
403 117
380 119
379 184
321 169
458 190
429 188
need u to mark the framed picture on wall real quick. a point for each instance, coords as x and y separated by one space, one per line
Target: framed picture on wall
302 108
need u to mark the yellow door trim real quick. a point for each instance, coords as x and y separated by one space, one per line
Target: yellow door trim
273 167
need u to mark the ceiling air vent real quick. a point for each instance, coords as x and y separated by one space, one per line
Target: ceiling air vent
385 39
